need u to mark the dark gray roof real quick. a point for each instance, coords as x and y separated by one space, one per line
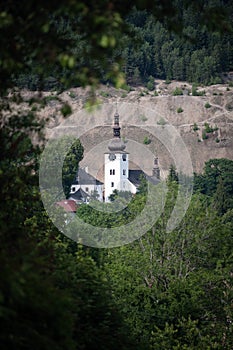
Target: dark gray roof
135 177
79 195
83 178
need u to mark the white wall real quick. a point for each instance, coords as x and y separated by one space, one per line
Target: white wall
116 174
89 189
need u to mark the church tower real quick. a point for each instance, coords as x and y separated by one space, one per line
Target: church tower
116 163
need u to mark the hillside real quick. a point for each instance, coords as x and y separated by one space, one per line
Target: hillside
204 122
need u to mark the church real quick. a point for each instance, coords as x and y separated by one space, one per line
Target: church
117 174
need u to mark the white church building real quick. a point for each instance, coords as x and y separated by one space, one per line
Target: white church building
117 175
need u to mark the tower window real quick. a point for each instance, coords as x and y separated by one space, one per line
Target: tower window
112 184
124 172
112 171
86 189
124 157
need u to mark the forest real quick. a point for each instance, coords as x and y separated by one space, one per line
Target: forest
166 290
148 49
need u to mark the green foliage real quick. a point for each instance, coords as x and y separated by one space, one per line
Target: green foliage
195 127
52 293
104 94
195 92
83 49
150 84
209 129
204 135
167 289
180 110
172 175
68 162
72 94
66 110
207 105
146 140
143 118
217 173
177 92
168 284
161 121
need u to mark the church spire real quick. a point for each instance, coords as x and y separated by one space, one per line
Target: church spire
116 144
116 126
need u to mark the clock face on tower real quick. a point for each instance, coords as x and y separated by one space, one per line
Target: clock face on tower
112 156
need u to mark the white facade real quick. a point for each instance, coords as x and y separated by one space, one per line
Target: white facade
116 173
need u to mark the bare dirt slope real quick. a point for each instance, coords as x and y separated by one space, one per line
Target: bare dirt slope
204 123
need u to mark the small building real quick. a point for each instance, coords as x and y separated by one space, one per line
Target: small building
68 205
86 187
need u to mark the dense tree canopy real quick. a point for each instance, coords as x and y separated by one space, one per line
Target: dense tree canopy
167 290
51 45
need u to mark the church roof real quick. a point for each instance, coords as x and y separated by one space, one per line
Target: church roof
84 178
135 177
116 145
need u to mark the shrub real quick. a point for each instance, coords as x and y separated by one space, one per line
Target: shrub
104 94
207 105
143 118
161 121
204 135
178 91
179 110
146 140
66 110
209 128
195 127
150 84
72 94
195 92
229 106
47 99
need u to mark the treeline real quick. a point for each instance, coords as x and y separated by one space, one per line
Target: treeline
147 50
197 55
